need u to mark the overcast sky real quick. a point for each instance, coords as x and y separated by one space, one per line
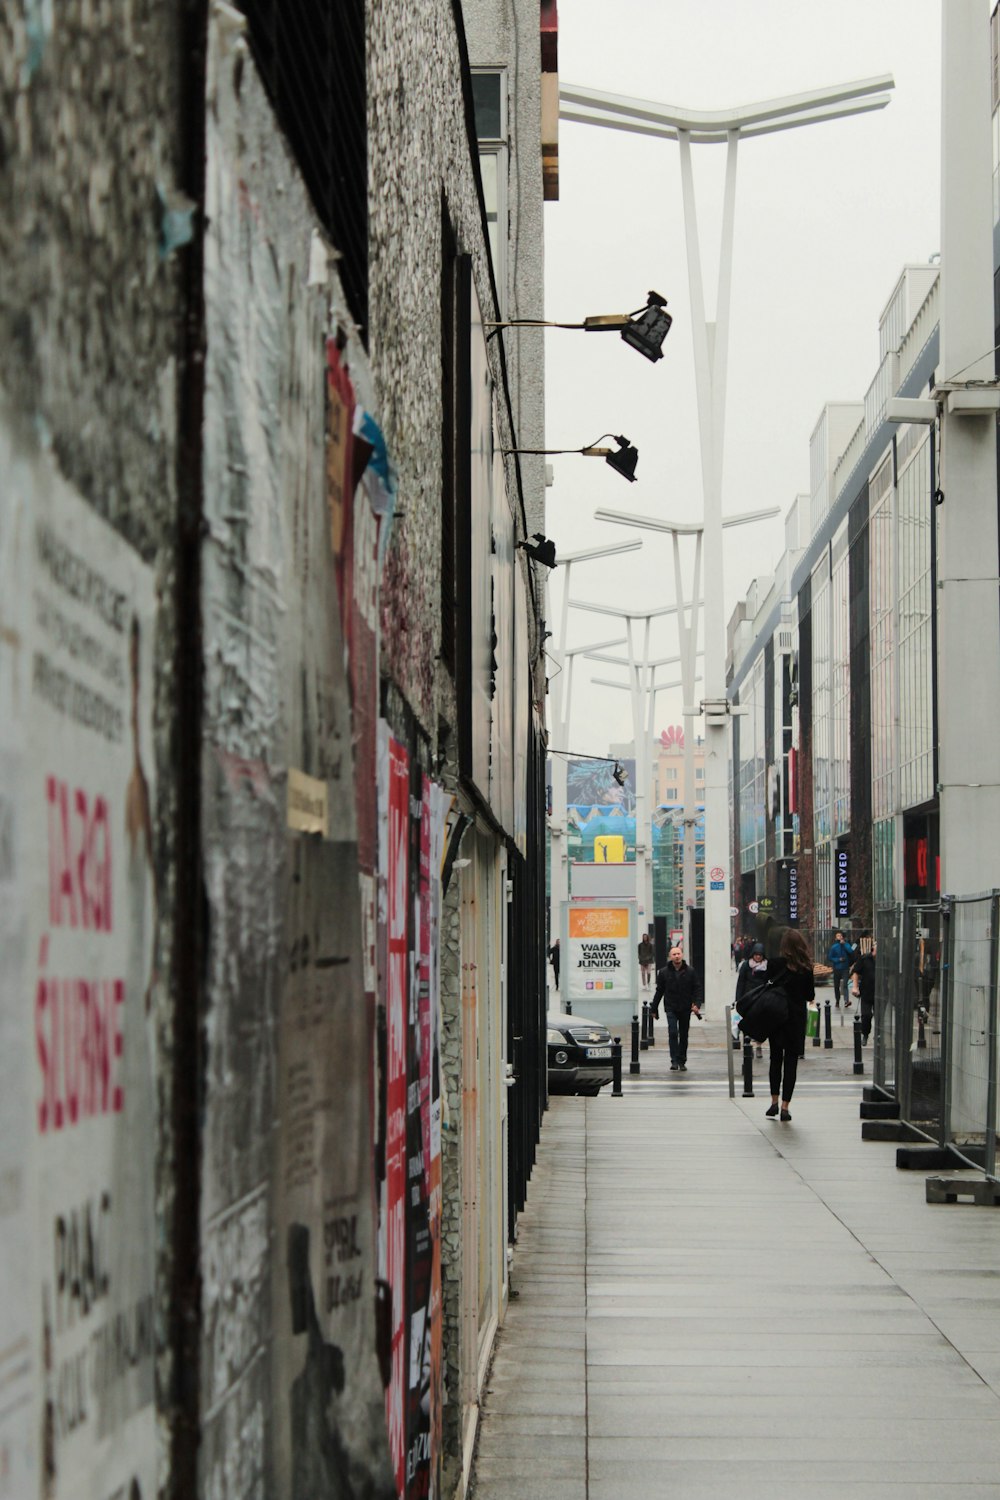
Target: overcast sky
826 218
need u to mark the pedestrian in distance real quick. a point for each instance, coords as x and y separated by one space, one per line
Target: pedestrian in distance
554 961
793 971
647 957
840 957
678 987
752 971
863 980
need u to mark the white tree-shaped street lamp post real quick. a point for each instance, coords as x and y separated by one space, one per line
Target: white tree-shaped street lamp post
690 811
560 688
637 669
687 684
711 350
687 631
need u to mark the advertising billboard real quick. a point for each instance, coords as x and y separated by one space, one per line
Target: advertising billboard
600 959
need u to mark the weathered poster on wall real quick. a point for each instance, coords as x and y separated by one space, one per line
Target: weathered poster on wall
329 1424
77 970
419 1237
355 534
19 1418
396 1131
292 1395
439 807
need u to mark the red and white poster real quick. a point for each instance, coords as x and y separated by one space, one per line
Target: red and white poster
397 897
440 807
77 972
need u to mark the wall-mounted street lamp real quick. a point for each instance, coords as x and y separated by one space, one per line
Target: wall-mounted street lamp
541 550
645 329
622 459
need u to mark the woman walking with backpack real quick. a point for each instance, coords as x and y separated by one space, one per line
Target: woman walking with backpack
792 971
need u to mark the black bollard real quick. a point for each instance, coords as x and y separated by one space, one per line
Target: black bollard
569 1007
828 1026
633 1066
859 1066
747 1068
644 1034
652 1033
817 1039
616 1068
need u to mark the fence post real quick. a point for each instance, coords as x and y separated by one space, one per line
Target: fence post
991 1041
644 1033
616 1068
859 1066
828 1026
729 1053
633 1066
944 1134
747 1068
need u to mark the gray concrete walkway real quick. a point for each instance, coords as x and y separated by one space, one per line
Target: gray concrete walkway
714 1306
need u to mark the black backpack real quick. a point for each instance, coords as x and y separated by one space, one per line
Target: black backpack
763 1010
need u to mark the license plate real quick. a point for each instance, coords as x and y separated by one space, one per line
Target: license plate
598 1051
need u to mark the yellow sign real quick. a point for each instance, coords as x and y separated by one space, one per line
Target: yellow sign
307 803
598 922
609 849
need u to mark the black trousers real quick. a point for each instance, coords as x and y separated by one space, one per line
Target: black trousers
841 977
677 1034
867 1011
787 1045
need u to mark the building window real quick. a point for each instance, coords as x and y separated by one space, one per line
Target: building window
913 619
699 773
751 773
489 96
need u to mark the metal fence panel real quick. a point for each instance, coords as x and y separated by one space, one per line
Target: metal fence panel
919 1079
887 951
972 1005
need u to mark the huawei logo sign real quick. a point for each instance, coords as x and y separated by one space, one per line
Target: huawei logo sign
672 736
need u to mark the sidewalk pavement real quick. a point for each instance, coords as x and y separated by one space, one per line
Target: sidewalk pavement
712 1305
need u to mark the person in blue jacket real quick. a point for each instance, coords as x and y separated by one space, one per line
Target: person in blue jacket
840 957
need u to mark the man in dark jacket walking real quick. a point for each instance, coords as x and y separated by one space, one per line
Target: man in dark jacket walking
677 986
841 957
863 970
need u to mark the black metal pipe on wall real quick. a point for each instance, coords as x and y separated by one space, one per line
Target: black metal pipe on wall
526 992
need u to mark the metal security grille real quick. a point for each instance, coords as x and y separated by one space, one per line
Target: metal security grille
919 1082
888 939
972 1040
937 983
311 55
